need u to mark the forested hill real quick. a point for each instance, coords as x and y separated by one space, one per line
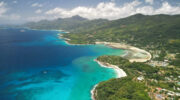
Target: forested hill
160 32
72 24
156 31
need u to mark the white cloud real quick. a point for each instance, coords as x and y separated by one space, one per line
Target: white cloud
147 10
10 17
2 4
36 5
14 17
149 1
112 0
111 11
15 2
7 17
167 9
102 10
106 10
38 18
38 11
3 8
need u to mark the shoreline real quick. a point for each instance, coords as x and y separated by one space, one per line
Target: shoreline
119 74
131 55
66 41
133 50
46 29
93 92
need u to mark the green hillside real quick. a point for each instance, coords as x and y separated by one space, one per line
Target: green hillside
151 32
129 87
121 89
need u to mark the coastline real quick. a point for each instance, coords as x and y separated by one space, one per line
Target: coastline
133 50
119 73
66 41
131 55
93 92
46 29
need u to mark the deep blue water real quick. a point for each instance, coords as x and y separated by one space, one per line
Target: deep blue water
37 65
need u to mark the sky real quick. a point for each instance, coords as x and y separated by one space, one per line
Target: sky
21 11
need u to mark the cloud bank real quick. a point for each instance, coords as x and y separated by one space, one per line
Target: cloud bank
105 10
7 17
111 11
38 11
3 9
36 5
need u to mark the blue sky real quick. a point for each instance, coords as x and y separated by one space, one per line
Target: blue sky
20 11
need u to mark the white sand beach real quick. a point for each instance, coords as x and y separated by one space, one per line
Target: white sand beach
135 51
120 73
134 55
93 92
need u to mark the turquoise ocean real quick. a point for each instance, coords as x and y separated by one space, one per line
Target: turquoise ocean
37 65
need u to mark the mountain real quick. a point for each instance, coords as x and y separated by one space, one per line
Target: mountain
160 32
76 17
73 23
157 34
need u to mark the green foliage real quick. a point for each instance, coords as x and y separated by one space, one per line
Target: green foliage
121 89
125 64
176 62
136 69
159 31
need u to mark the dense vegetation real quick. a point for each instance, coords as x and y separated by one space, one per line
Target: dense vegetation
153 77
156 32
152 32
131 68
176 62
122 89
159 34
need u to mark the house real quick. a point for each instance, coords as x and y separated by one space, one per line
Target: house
140 78
159 97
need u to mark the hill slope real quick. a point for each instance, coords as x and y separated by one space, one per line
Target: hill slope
158 31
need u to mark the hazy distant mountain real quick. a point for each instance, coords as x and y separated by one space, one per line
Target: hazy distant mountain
73 23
